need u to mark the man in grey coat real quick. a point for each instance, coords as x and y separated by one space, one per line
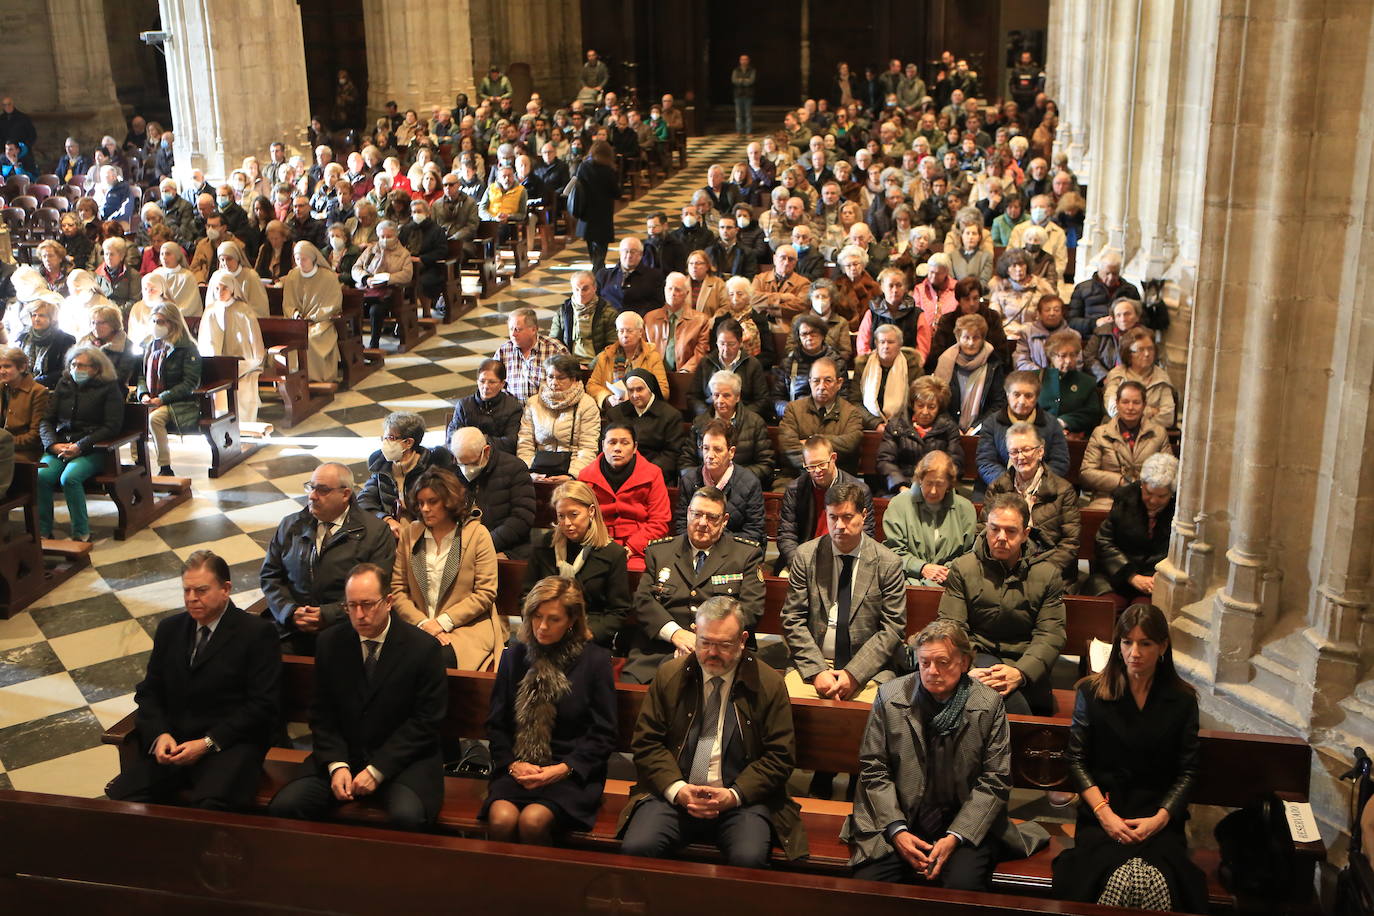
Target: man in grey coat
845 611
935 773
311 553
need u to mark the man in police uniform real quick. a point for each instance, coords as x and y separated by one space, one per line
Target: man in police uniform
682 572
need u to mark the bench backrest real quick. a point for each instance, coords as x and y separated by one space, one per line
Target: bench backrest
285 332
1235 767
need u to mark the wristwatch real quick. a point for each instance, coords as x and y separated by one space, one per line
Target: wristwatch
210 744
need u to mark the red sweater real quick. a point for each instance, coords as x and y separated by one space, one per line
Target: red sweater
639 512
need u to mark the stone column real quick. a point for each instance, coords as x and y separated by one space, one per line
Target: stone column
236 71
81 63
419 54
546 34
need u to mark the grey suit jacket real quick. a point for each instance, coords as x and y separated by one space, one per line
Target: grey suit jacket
892 775
877 609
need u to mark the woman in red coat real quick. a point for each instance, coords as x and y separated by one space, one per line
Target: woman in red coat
630 490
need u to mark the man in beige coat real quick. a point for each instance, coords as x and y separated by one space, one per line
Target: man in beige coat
680 334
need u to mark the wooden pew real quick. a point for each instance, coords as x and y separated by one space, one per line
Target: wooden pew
970 443
288 342
132 487
79 855
518 244
355 363
1235 769
221 428
29 566
547 241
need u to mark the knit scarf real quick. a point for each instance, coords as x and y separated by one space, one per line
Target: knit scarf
1031 489
976 367
566 569
947 721
540 690
885 401
560 400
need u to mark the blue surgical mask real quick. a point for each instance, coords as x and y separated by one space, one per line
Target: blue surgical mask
223 202
802 249
1038 214
81 375
168 198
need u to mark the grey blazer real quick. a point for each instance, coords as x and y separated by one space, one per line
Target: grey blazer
892 775
877 610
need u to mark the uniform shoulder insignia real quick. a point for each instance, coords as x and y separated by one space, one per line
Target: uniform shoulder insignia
663 540
744 540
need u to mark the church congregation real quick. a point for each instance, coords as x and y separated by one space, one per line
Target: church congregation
858 422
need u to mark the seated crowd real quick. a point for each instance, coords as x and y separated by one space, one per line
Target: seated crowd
895 269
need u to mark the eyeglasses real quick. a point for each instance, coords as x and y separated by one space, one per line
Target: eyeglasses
395 438
720 645
364 606
697 515
819 466
1024 452
312 487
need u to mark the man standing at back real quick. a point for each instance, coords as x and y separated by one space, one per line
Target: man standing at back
209 700
742 78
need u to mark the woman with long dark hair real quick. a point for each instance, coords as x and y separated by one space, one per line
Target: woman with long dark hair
1133 753
599 190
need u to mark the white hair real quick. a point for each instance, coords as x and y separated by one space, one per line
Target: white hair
630 320
1159 471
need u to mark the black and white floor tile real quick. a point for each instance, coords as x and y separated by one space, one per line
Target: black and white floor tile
69 664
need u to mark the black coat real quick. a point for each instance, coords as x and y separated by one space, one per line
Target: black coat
499 421
1124 546
231 693
504 492
753 446
604 579
391 723
901 449
743 500
1092 300
797 520
658 434
381 496
585 733
1144 759
666 256
641 291
755 392
739 261
994 391
601 189
53 362
84 414
290 579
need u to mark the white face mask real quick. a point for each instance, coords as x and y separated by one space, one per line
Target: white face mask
689 221
743 222
161 332
212 234
470 471
392 450
419 218
387 242
337 243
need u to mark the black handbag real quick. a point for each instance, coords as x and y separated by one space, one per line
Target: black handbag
551 464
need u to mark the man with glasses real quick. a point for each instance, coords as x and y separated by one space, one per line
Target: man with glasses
714 748
682 572
823 413
456 214
525 353
845 613
207 705
311 553
380 694
803 502
1053 501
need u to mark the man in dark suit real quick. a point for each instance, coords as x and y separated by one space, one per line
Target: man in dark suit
553 172
845 612
73 166
311 553
801 517
302 226
631 285
208 702
728 256
714 748
380 695
682 572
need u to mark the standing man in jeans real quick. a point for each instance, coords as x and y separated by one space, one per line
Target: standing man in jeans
742 78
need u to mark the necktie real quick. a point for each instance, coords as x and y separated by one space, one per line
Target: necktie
321 537
701 560
843 598
706 738
670 345
202 637
370 663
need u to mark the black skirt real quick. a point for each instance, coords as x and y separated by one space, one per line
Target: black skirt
1081 873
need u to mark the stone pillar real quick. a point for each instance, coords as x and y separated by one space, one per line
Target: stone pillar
236 72
546 34
56 66
419 54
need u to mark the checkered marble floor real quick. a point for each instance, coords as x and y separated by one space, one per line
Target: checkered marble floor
69 664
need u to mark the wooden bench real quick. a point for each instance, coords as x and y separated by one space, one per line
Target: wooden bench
403 311
355 363
80 855
221 428
1235 768
283 368
140 499
1077 447
518 244
29 566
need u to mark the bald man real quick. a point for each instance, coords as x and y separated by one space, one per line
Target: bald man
681 333
501 487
